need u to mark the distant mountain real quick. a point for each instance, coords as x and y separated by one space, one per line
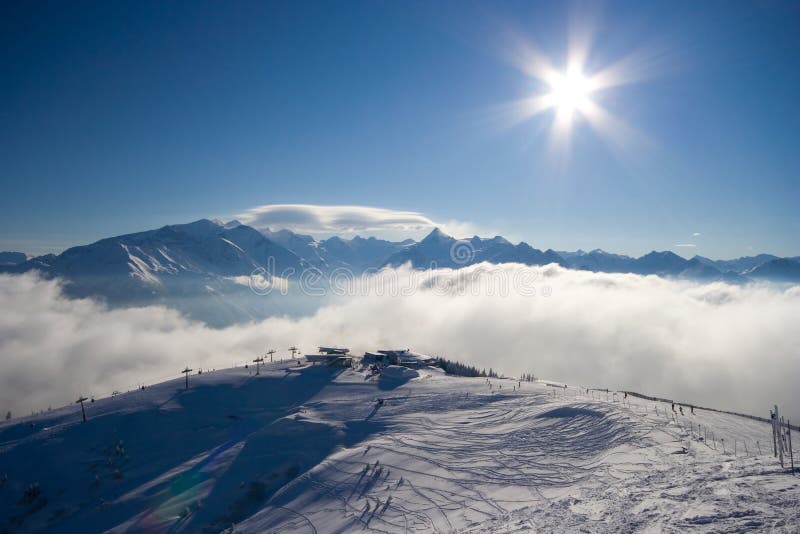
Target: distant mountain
664 263
304 246
12 258
778 270
739 265
360 254
695 269
667 264
204 268
441 250
657 263
357 254
434 249
599 261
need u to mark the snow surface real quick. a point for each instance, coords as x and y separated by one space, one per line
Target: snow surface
304 448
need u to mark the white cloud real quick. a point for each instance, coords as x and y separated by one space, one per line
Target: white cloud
696 234
690 245
348 220
725 346
273 283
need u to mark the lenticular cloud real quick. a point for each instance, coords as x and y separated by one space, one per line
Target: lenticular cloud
730 347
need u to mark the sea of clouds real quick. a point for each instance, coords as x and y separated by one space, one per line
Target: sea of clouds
719 345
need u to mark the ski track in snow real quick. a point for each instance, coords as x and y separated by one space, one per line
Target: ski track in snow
307 449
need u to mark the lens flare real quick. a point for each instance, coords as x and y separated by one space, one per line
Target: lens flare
572 93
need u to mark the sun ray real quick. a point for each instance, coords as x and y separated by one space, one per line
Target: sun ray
620 136
571 94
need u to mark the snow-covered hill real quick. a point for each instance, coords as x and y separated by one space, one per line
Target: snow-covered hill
303 448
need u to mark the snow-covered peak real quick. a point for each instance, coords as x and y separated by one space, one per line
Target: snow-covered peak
436 235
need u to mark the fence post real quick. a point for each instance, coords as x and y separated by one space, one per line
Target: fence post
789 436
779 437
774 436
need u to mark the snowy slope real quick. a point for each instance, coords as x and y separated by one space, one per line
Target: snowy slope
307 449
201 268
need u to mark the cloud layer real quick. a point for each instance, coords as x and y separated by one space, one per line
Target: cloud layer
725 346
345 220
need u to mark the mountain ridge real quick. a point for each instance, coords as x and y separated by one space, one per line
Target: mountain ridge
207 268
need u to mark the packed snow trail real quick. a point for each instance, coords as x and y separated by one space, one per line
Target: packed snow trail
310 449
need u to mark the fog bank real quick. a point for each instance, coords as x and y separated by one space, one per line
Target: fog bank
730 347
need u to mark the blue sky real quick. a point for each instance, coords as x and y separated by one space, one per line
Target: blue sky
117 117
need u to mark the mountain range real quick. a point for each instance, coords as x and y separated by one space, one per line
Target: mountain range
204 268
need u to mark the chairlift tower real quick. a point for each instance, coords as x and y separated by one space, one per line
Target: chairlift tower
258 361
293 350
271 352
83 410
186 372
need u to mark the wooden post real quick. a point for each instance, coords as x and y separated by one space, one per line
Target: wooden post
83 410
186 372
789 436
779 437
774 437
257 361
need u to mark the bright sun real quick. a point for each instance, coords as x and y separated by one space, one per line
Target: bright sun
573 94
569 92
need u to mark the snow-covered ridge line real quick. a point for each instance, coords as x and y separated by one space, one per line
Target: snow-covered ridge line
687 404
305 449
